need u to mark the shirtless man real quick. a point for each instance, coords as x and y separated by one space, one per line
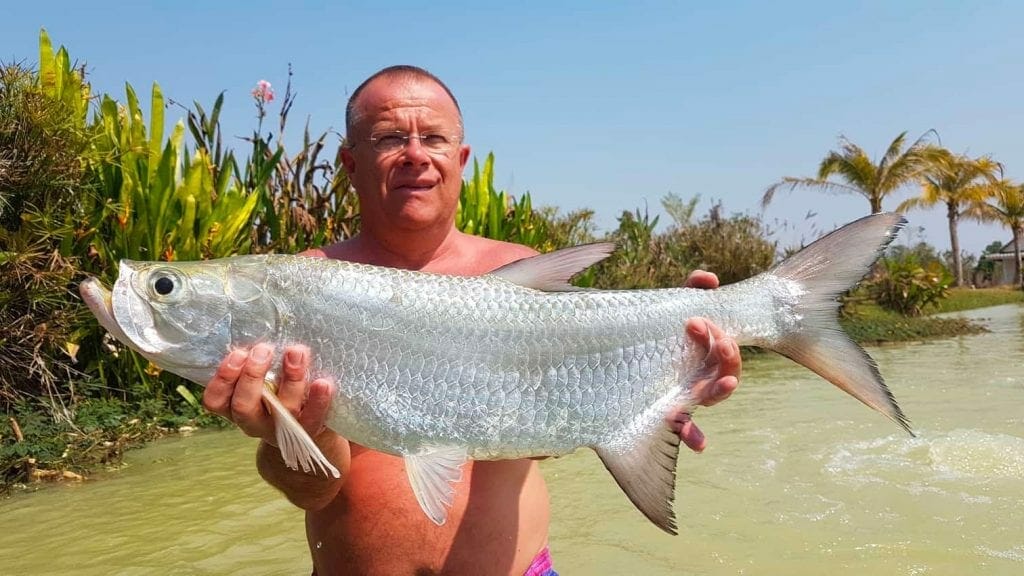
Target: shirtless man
405 156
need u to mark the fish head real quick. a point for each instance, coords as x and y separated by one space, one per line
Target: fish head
186 316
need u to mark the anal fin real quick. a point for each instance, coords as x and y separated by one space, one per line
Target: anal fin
297 448
432 473
646 472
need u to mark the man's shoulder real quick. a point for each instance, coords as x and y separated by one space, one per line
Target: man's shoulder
508 251
487 254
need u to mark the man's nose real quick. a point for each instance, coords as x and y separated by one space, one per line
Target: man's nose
414 152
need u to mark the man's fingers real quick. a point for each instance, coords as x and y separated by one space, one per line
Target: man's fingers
292 389
314 412
246 405
690 434
698 328
217 396
722 389
701 279
729 366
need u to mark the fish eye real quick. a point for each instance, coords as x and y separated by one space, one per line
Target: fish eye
163 285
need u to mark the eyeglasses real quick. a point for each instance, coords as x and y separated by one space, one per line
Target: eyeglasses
391 142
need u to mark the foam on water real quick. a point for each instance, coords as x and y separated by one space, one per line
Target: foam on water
961 454
1016 553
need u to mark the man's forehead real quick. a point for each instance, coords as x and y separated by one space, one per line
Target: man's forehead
385 94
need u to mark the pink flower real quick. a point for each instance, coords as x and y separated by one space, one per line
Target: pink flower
263 92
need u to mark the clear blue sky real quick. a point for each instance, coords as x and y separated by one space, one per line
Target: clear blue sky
602 105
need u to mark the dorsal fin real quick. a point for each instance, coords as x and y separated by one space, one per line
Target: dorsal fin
551 272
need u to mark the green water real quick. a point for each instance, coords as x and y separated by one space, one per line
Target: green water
797 479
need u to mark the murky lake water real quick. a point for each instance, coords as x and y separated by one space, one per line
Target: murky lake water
798 479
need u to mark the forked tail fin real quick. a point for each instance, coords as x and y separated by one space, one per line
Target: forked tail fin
804 290
824 270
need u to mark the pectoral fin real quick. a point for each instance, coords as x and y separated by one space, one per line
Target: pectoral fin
432 474
297 448
646 472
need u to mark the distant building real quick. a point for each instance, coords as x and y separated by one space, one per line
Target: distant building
1003 260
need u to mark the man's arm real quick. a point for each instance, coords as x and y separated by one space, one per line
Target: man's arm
235 393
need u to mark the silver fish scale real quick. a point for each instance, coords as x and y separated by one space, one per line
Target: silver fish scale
426 360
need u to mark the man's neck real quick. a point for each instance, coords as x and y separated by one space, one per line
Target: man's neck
410 251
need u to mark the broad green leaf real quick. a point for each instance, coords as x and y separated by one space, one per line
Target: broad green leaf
186 231
47 75
61 73
156 121
136 123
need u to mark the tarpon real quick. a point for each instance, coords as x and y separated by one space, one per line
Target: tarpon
512 364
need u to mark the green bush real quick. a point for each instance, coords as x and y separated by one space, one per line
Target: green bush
42 140
735 247
907 287
641 259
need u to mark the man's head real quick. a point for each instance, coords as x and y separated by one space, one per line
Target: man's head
404 150
397 72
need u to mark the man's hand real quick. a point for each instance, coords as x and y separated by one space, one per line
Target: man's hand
236 390
726 354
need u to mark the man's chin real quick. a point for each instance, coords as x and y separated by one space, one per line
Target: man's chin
413 221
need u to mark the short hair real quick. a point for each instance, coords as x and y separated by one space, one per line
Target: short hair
398 71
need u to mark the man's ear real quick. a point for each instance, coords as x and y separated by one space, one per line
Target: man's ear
348 160
463 155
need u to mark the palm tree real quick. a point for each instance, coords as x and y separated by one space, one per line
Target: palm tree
1005 206
861 175
958 181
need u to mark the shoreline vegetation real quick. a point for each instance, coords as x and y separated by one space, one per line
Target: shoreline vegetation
871 324
86 180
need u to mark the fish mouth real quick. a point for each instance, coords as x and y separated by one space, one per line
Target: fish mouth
100 302
105 305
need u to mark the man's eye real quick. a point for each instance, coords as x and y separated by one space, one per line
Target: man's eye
390 142
434 141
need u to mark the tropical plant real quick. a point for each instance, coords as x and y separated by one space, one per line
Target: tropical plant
152 201
957 181
640 259
42 135
1005 206
565 230
906 286
484 211
681 211
862 176
734 247
306 200
40 319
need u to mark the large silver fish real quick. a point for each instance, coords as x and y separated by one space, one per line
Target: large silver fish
516 363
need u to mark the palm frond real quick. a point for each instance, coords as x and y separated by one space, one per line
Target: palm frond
1003 204
794 183
856 169
894 152
916 203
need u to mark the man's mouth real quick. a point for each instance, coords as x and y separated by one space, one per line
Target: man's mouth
414 187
